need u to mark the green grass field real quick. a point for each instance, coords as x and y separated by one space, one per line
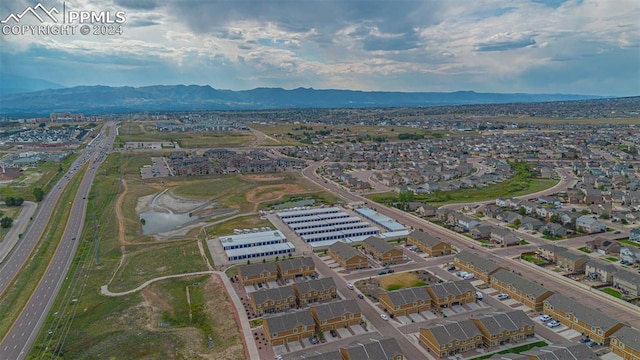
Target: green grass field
612 292
514 350
138 131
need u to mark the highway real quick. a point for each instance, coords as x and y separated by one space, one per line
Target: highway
18 341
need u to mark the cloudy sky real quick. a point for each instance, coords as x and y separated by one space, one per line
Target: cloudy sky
535 46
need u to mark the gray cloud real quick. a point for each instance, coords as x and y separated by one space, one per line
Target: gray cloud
138 4
503 45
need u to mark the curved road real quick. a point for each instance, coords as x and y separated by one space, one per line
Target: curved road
20 338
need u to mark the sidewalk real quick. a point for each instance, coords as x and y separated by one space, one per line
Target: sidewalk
19 227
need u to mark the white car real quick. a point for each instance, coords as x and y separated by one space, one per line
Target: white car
545 318
350 286
503 296
553 323
384 317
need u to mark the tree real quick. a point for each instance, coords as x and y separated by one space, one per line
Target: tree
522 211
6 222
516 223
555 218
38 194
42 125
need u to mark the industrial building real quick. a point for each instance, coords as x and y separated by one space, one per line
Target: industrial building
255 245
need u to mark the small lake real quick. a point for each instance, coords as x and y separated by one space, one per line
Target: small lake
157 222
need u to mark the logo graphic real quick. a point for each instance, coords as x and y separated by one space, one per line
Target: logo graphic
33 10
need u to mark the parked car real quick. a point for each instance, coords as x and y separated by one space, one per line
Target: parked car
350 286
333 333
545 318
384 317
451 268
553 323
360 296
313 340
469 276
503 296
585 340
592 343
390 271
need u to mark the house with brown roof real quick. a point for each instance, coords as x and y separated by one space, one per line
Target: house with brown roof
273 300
257 273
482 268
406 301
348 257
293 326
451 293
451 338
604 246
429 244
572 261
503 237
498 329
336 314
570 312
382 250
315 290
302 266
520 289
383 349
626 343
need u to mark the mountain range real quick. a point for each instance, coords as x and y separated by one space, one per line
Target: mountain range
106 99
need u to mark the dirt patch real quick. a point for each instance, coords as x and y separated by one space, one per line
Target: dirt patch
402 279
272 192
167 202
221 312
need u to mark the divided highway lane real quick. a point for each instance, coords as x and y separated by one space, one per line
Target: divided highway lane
18 341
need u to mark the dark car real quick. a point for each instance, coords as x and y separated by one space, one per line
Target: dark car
360 296
313 340
333 333
451 268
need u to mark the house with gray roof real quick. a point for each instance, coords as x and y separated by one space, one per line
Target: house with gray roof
634 235
257 273
293 326
627 282
315 290
406 301
383 349
626 343
553 229
381 250
348 257
590 322
451 293
561 352
599 270
428 244
500 328
273 300
336 314
529 223
481 267
301 266
503 237
527 292
590 225
572 261
451 338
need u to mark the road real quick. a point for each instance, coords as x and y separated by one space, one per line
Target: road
18 341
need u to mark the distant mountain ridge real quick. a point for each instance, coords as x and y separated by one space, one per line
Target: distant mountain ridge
106 99
13 84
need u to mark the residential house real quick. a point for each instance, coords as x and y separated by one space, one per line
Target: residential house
336 314
442 214
561 351
629 255
347 257
529 223
481 232
273 300
553 229
406 301
491 210
383 349
257 273
543 212
302 266
598 270
626 343
520 289
451 338
429 244
572 261
482 268
570 312
382 250
447 294
503 202
569 218
466 222
604 246
503 237
634 235
424 210
293 326
549 251
315 290
498 329
549 200
529 207
627 282
509 217
590 225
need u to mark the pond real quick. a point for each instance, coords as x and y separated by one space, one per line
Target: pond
158 222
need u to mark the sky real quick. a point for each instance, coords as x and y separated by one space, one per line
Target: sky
589 47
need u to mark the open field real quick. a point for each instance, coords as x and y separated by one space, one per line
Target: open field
245 222
44 177
133 326
398 280
134 131
12 212
514 350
